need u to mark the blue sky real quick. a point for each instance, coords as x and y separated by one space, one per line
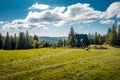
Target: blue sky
55 17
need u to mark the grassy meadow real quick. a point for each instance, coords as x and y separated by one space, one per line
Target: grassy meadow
60 64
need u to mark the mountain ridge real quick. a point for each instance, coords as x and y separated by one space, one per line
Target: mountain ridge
51 39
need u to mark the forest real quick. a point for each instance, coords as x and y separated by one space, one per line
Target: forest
25 41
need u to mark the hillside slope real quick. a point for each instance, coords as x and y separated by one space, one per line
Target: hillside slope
60 64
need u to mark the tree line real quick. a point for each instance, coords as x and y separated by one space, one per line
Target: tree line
25 41
112 37
96 39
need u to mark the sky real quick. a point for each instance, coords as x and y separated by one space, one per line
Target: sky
56 17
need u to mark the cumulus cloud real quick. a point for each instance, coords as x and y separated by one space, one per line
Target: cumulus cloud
47 16
39 6
113 10
79 13
1 22
107 21
22 24
60 16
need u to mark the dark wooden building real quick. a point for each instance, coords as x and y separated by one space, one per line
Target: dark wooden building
82 40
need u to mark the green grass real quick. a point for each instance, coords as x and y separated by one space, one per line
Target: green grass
60 64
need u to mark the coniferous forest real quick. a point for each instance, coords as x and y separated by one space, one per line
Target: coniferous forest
25 41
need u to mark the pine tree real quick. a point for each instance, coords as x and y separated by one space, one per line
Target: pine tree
118 36
28 41
15 40
64 43
90 37
107 38
7 42
35 37
12 43
119 32
101 39
113 36
21 41
72 38
1 41
45 44
60 43
96 38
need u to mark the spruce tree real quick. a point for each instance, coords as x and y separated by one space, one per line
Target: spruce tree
28 41
119 32
60 43
45 44
107 38
91 39
21 41
101 39
7 45
113 36
35 37
1 41
118 36
64 43
12 43
15 40
96 38
72 38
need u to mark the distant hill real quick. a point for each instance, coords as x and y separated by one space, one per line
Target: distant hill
51 39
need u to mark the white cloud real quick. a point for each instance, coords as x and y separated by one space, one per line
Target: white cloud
107 21
1 22
60 16
113 10
22 24
79 13
39 6
48 16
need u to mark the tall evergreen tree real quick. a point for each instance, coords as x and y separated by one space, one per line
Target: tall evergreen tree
35 37
118 36
113 36
28 41
15 40
21 41
72 38
1 41
60 43
7 45
96 38
45 44
101 39
12 43
91 39
64 43
107 38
